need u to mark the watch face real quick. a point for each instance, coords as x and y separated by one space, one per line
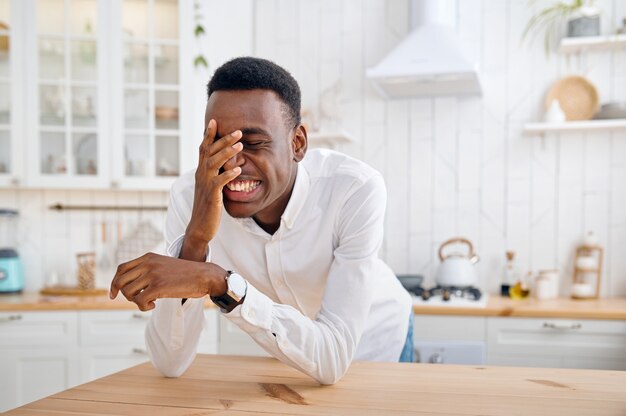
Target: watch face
237 285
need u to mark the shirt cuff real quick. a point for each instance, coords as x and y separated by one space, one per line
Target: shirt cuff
254 314
173 249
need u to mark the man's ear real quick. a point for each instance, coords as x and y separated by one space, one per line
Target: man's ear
299 143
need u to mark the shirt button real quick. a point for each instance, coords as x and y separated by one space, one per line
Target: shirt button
179 313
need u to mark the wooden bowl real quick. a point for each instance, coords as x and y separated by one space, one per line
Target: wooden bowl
577 97
166 113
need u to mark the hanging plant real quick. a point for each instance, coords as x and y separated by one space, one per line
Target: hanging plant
552 19
199 60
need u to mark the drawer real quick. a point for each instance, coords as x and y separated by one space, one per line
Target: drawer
113 327
25 329
557 337
101 361
449 328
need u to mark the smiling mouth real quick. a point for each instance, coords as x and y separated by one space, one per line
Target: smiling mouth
242 186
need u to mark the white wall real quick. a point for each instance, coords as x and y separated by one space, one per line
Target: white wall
453 166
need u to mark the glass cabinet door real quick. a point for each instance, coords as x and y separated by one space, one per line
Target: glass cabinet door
68 82
8 119
151 90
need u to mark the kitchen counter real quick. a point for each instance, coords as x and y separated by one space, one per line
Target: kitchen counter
35 302
609 308
254 385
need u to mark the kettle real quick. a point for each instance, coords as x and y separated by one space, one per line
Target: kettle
457 269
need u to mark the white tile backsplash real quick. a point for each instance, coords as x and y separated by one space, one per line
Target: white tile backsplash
453 166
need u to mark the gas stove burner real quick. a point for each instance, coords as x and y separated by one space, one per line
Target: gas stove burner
448 292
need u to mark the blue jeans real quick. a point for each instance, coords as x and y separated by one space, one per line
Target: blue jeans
407 351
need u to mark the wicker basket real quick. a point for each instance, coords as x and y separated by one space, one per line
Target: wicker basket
577 97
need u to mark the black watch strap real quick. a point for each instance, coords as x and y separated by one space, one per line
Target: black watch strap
235 293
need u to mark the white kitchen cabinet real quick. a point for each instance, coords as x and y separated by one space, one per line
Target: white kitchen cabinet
567 343
106 84
11 105
114 340
42 353
449 339
110 341
38 353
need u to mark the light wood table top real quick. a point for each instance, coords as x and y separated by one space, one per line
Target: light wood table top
231 385
609 308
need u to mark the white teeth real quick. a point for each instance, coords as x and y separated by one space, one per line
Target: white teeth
242 186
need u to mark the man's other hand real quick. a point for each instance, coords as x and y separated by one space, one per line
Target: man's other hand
153 276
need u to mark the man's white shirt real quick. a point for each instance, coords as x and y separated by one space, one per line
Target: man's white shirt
318 294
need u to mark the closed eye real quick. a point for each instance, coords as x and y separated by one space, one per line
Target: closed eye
253 144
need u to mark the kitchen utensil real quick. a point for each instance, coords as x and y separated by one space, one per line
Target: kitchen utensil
457 269
86 270
4 39
140 241
547 284
577 97
612 110
104 261
411 281
61 290
11 272
587 271
87 155
165 113
555 114
586 262
583 291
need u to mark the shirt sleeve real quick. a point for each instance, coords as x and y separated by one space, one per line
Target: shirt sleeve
174 329
324 347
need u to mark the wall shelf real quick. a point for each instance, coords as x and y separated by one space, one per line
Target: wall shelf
576 126
580 44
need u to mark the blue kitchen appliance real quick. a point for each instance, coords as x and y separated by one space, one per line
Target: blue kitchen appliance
11 272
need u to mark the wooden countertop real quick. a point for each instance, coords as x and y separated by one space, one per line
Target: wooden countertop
217 384
609 308
35 302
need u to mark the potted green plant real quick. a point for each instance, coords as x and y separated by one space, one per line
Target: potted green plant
582 17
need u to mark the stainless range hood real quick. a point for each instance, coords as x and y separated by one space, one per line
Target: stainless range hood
429 61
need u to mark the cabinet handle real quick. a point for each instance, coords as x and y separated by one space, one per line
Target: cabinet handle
562 327
140 316
140 351
10 318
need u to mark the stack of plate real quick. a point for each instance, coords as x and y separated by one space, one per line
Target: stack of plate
612 110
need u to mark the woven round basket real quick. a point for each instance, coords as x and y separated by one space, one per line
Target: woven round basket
4 39
577 97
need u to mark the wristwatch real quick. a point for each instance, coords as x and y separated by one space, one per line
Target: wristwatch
235 293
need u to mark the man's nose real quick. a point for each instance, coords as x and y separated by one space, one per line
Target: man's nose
233 162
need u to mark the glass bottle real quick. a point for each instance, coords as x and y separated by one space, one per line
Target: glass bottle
510 275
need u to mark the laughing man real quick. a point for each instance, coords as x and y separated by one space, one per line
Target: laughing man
283 240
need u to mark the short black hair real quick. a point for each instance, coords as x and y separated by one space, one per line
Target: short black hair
249 73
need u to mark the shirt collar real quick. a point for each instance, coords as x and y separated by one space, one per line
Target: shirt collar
298 196
294 206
